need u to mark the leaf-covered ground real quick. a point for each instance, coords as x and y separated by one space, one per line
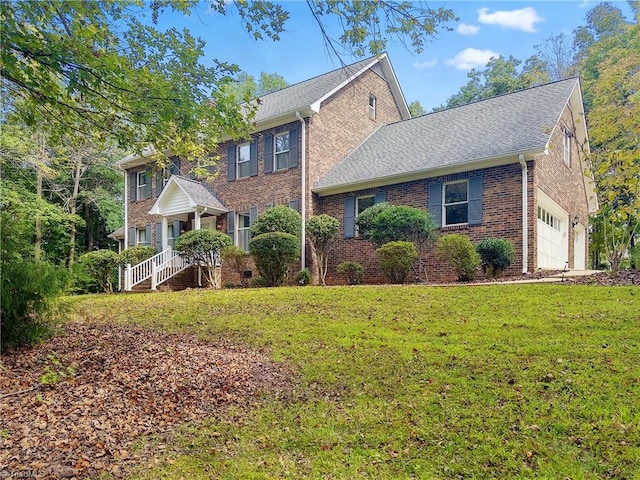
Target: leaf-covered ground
79 404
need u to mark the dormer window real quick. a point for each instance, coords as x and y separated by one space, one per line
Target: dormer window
372 107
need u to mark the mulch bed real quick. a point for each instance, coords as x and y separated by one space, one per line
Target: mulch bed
622 278
73 407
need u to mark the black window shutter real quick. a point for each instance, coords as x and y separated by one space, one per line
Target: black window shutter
174 168
268 154
148 229
231 225
231 163
253 214
380 197
159 181
349 217
159 237
294 204
176 229
132 237
435 202
475 200
133 184
253 158
293 148
147 188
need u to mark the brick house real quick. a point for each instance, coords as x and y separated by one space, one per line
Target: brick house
342 141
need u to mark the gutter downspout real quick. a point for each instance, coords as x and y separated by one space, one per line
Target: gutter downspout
525 215
303 199
126 230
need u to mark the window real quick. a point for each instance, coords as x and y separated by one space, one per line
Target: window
171 239
362 203
566 147
456 203
549 219
141 237
281 149
243 154
244 222
143 179
372 107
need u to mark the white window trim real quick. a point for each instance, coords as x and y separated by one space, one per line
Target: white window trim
141 187
276 153
566 147
247 161
240 229
373 103
146 240
445 205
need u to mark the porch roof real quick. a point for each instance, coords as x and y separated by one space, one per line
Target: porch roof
181 195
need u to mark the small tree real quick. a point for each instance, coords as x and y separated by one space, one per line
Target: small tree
322 231
365 220
496 254
396 259
280 218
354 272
135 255
458 252
203 247
100 266
237 259
273 252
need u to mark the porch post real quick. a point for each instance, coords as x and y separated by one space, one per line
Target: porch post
196 220
165 229
154 276
127 277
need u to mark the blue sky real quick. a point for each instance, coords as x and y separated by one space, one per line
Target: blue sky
484 29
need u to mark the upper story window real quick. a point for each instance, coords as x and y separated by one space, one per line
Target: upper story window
566 147
243 157
455 207
244 222
142 181
372 107
281 150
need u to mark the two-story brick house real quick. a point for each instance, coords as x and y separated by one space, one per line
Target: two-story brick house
344 140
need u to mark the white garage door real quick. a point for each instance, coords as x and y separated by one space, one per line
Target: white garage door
553 248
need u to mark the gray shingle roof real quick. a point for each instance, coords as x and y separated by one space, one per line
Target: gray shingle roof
199 192
510 124
304 94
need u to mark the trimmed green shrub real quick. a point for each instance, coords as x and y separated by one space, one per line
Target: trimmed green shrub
354 272
458 252
402 224
204 247
273 253
496 254
303 277
135 255
237 259
365 220
280 218
396 259
100 266
27 300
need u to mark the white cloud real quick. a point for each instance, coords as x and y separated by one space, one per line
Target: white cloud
425 65
471 58
524 19
465 29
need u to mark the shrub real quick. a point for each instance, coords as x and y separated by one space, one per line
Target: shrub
100 266
135 255
277 219
496 254
236 258
365 220
273 253
203 247
402 224
322 230
354 272
26 302
457 251
303 277
396 259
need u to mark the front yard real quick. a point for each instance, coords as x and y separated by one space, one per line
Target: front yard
504 381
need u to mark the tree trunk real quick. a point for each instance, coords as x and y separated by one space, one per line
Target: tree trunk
89 232
72 209
38 243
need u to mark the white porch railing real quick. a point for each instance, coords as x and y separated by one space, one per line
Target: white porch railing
159 268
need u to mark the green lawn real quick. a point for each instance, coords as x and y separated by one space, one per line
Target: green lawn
504 381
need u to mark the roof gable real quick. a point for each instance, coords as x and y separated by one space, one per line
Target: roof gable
181 195
511 124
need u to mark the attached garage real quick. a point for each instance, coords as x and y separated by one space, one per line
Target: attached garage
552 238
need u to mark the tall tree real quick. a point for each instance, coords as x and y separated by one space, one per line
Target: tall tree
557 54
416 109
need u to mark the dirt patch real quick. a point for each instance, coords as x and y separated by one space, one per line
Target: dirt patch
74 406
622 278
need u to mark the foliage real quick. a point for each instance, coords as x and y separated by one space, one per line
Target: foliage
458 252
397 382
279 218
496 254
402 223
27 302
354 272
273 252
245 86
303 277
100 265
237 259
416 109
204 247
136 254
322 230
395 260
365 221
